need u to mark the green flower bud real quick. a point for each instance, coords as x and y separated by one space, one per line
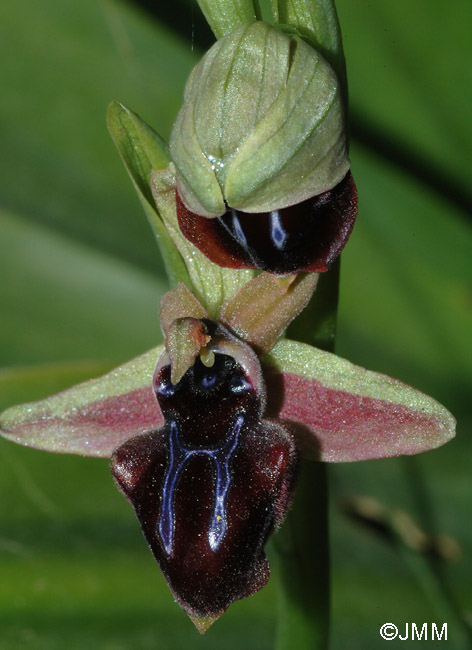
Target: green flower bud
262 126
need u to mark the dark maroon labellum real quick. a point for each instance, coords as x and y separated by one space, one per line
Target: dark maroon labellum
307 237
210 485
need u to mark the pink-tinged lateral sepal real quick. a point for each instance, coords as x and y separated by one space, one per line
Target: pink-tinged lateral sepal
92 418
307 237
341 412
210 485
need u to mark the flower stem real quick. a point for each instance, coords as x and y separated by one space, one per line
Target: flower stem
304 581
225 15
303 542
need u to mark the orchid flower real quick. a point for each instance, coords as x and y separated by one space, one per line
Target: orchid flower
205 433
260 152
209 466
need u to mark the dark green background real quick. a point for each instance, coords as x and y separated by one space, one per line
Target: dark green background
80 286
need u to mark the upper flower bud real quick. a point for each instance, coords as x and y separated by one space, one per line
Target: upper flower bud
262 126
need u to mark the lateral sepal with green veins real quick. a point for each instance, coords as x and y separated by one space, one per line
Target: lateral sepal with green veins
317 23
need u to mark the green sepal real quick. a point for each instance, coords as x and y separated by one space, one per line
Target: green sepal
262 126
316 21
225 15
298 149
143 150
261 311
211 284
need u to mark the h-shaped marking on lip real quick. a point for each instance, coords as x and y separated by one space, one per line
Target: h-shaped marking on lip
178 456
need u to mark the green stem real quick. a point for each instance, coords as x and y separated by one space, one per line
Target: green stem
303 542
225 15
303 567
317 22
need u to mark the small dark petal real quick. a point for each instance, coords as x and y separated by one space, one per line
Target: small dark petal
209 487
306 237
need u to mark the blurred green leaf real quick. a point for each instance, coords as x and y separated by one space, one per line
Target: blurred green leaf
63 63
410 79
409 253
61 299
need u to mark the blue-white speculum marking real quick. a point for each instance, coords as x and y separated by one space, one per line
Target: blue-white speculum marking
238 231
177 458
277 232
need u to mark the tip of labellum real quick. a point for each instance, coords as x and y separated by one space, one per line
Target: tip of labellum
307 236
203 624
